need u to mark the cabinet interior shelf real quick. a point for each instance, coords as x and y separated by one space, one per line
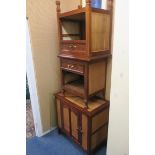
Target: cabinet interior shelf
75 86
74 83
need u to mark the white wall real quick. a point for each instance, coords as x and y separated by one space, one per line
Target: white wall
118 133
31 77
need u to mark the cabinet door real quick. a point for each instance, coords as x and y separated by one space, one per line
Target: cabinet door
76 128
66 124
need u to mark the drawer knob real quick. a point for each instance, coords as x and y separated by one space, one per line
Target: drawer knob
70 66
74 46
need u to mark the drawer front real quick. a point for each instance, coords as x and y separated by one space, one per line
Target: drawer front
72 47
78 68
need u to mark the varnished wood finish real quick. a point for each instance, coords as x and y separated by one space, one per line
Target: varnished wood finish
58 21
84 131
74 14
94 28
81 56
110 7
74 124
58 113
97 76
73 47
85 45
93 73
72 66
100 32
66 118
88 128
110 4
99 137
100 120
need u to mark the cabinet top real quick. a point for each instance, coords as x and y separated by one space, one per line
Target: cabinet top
94 105
83 11
80 11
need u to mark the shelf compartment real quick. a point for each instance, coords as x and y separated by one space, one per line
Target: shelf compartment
72 29
75 87
73 83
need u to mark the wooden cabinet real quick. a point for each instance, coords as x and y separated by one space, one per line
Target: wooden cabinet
86 126
85 41
91 79
85 32
85 45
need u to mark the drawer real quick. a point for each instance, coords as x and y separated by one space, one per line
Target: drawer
73 47
78 68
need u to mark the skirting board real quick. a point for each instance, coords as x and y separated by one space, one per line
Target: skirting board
48 131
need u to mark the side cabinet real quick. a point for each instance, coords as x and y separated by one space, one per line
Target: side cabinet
87 127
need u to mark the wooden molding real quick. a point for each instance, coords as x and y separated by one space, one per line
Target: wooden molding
58 6
88 3
109 4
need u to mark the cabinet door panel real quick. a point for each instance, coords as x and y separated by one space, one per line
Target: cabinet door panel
76 128
84 131
74 125
66 118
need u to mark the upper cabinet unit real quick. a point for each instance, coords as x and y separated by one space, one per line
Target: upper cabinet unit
84 33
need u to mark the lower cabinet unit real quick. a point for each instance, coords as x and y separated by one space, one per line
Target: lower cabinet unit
88 127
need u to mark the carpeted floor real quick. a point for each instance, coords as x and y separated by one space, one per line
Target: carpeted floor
55 144
30 130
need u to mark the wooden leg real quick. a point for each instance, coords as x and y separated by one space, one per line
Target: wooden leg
86 102
62 91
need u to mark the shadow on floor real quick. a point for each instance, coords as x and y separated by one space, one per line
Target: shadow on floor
55 144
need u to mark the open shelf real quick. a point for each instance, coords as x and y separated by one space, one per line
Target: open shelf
75 86
74 83
73 27
85 33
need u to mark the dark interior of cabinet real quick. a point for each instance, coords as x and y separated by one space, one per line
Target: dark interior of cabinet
73 27
74 82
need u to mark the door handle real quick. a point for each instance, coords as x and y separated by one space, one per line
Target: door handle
79 130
